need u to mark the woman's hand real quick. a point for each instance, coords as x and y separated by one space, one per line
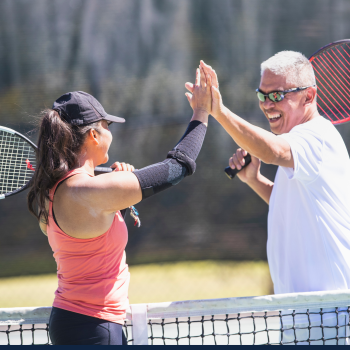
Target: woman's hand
117 166
217 106
199 96
251 171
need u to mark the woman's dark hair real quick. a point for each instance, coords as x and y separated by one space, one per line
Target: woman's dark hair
58 149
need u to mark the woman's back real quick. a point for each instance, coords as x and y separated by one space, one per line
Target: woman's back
77 209
93 276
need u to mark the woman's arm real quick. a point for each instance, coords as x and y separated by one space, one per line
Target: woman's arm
118 190
42 222
43 226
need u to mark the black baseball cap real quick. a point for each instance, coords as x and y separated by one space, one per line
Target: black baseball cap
80 108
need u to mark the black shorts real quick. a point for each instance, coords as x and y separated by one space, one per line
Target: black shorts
71 328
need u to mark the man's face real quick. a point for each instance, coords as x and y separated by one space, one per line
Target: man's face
286 114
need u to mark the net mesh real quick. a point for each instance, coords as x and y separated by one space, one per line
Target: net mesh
251 328
17 162
305 318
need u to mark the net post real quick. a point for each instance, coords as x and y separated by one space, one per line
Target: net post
139 324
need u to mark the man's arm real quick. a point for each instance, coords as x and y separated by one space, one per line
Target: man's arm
251 174
256 141
262 186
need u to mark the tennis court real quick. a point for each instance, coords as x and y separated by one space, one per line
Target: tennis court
155 283
302 318
201 246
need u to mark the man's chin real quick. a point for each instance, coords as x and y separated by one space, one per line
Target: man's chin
275 130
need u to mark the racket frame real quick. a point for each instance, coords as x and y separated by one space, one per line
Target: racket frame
315 55
32 144
334 43
98 170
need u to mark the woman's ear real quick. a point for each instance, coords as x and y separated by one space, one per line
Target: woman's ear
93 136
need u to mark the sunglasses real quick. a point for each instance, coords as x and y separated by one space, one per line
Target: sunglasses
277 96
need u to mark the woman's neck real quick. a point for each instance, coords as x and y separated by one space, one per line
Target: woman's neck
86 163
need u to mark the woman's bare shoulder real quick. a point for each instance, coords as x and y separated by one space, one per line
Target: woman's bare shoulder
107 193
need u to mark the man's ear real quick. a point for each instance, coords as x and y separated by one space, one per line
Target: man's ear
310 95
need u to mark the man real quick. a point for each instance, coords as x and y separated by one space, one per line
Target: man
308 245
309 203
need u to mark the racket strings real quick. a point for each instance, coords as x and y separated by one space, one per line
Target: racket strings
337 84
332 71
15 153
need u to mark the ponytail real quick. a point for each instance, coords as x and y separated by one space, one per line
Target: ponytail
58 149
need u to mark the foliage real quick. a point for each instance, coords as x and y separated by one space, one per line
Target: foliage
135 57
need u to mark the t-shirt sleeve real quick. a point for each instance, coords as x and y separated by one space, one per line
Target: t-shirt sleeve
307 150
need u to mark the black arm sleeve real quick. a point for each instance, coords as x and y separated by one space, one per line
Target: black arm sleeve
180 162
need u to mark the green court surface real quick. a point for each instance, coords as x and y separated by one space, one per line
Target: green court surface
156 283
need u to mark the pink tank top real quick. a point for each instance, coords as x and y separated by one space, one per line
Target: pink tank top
93 277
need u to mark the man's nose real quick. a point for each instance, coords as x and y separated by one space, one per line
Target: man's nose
267 104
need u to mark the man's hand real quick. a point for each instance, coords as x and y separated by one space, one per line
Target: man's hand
250 172
217 105
200 96
122 167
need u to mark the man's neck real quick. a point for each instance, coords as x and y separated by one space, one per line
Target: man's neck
312 114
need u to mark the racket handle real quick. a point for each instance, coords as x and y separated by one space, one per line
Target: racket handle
231 173
102 170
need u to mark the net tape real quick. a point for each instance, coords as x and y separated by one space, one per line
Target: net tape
14 170
302 318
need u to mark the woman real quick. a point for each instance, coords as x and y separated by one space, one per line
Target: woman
80 212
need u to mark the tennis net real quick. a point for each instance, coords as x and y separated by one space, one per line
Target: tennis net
300 318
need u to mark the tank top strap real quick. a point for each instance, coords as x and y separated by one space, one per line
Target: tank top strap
69 174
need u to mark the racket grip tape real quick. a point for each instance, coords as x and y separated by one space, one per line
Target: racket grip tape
102 170
231 173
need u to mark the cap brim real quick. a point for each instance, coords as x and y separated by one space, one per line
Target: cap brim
114 119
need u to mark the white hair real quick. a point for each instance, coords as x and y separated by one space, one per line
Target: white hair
293 65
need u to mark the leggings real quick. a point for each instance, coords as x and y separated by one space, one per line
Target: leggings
70 328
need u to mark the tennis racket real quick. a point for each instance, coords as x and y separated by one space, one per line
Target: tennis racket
331 65
18 162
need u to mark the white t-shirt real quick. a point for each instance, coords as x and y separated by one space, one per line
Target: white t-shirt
308 244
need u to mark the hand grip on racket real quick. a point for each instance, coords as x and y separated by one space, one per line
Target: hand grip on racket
102 170
231 173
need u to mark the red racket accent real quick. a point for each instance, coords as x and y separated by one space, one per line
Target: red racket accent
29 166
339 73
341 85
332 70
